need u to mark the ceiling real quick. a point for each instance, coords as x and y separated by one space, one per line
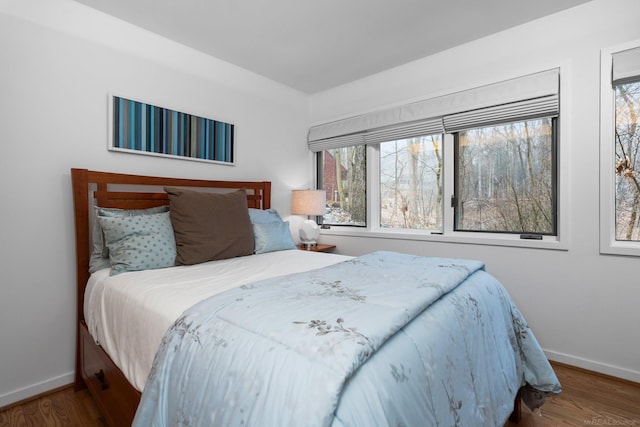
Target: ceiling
316 45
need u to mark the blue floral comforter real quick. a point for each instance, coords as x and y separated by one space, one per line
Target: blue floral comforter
383 339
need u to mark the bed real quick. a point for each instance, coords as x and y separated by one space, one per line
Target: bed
281 336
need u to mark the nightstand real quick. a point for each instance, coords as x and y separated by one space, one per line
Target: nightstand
318 248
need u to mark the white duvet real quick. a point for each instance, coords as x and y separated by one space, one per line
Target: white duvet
128 314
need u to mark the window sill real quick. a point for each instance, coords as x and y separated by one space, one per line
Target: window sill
621 248
512 240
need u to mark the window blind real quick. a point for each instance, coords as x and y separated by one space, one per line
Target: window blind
515 111
626 66
403 131
530 96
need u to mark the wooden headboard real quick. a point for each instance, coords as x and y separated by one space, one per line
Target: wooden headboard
116 190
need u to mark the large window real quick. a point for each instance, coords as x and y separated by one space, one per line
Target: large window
477 166
505 178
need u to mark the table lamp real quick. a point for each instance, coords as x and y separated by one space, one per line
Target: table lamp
310 203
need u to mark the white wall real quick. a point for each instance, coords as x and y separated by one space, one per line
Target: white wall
582 306
58 62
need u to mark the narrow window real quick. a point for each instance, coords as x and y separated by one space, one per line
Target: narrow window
342 174
627 162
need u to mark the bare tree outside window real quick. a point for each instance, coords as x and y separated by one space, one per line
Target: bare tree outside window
627 146
505 178
411 183
344 180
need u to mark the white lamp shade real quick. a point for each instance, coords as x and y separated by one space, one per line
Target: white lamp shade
308 202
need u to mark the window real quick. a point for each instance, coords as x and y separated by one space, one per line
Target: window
344 178
505 178
627 156
620 151
477 166
411 183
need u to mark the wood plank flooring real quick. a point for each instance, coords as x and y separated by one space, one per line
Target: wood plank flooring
587 400
61 408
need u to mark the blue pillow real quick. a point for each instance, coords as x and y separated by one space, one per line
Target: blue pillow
272 236
259 216
100 253
140 242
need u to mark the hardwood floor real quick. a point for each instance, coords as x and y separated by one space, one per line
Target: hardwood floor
61 408
587 400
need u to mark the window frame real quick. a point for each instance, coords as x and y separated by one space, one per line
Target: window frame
554 181
559 241
608 243
319 167
378 204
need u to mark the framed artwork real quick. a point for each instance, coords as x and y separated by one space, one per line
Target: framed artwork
140 128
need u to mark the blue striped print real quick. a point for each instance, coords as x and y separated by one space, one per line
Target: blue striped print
147 128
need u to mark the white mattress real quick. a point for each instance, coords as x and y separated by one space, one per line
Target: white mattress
128 314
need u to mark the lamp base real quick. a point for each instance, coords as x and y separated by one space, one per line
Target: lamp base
309 232
309 245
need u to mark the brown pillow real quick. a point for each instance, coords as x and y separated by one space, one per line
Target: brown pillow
209 226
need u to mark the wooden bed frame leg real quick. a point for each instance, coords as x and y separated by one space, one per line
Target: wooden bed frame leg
516 415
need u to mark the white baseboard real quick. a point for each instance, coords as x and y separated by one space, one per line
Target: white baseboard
36 389
603 368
